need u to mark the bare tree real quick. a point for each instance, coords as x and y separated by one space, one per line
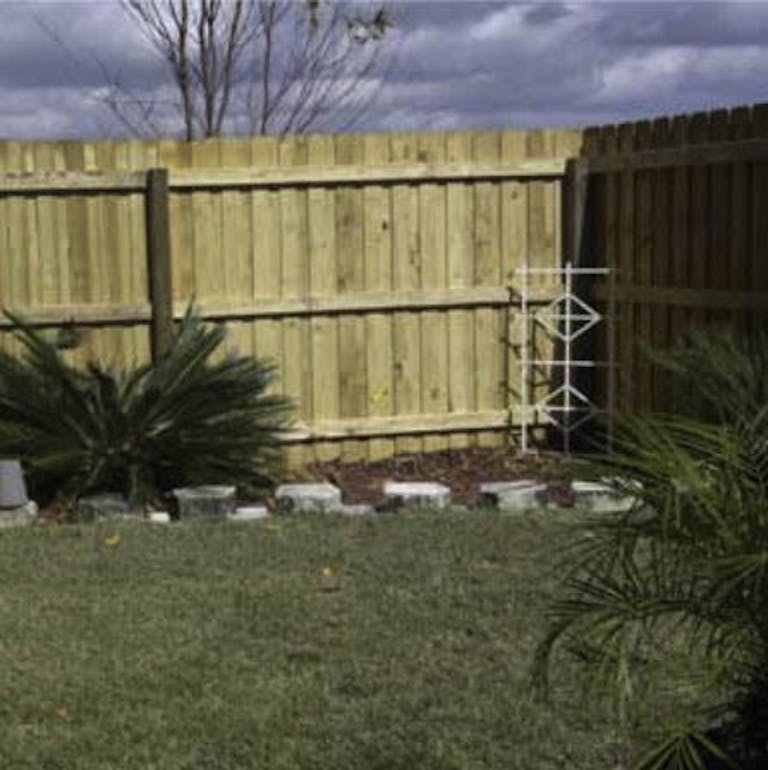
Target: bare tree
273 66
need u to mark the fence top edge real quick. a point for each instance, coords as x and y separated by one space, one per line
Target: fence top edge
740 150
260 176
361 175
71 181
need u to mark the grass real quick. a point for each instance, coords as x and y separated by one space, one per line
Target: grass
306 642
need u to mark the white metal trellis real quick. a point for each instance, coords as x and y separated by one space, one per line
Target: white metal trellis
566 317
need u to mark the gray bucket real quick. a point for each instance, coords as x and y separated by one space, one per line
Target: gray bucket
13 491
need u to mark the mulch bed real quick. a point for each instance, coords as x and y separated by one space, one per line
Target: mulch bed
463 470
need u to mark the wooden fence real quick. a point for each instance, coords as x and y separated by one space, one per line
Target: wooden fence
375 269
679 208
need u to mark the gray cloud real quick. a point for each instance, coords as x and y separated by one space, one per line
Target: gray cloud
65 44
457 64
582 63
684 23
544 13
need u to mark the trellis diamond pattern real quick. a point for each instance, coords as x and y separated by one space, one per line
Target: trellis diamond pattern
561 310
566 318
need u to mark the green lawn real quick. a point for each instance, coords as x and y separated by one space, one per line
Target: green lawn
392 643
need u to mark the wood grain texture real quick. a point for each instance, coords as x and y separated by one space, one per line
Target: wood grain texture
681 237
626 274
661 204
407 262
377 225
371 268
350 277
460 270
543 241
323 279
140 156
297 355
700 152
759 271
262 308
434 325
374 269
690 253
645 235
488 378
352 173
515 255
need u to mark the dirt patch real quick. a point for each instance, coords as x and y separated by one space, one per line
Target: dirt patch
460 469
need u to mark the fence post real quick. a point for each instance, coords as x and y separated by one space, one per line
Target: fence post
159 262
580 251
575 190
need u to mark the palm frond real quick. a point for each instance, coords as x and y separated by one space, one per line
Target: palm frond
689 560
185 419
687 749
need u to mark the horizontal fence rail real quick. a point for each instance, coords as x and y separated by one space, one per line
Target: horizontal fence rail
705 299
72 183
404 425
268 307
749 150
183 179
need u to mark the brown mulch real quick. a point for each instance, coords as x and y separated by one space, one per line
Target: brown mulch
463 470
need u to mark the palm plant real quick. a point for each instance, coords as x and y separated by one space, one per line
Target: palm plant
183 419
688 564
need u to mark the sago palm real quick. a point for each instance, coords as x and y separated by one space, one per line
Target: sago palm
184 419
688 564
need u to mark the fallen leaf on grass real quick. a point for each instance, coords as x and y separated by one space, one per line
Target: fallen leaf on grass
61 712
329 572
112 541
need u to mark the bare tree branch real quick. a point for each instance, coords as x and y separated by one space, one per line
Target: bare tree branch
279 66
324 71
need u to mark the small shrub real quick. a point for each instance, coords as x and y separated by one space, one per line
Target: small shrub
141 431
687 567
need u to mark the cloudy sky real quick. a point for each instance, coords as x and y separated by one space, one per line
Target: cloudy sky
459 64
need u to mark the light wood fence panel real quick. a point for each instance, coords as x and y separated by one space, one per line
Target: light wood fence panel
372 268
72 251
